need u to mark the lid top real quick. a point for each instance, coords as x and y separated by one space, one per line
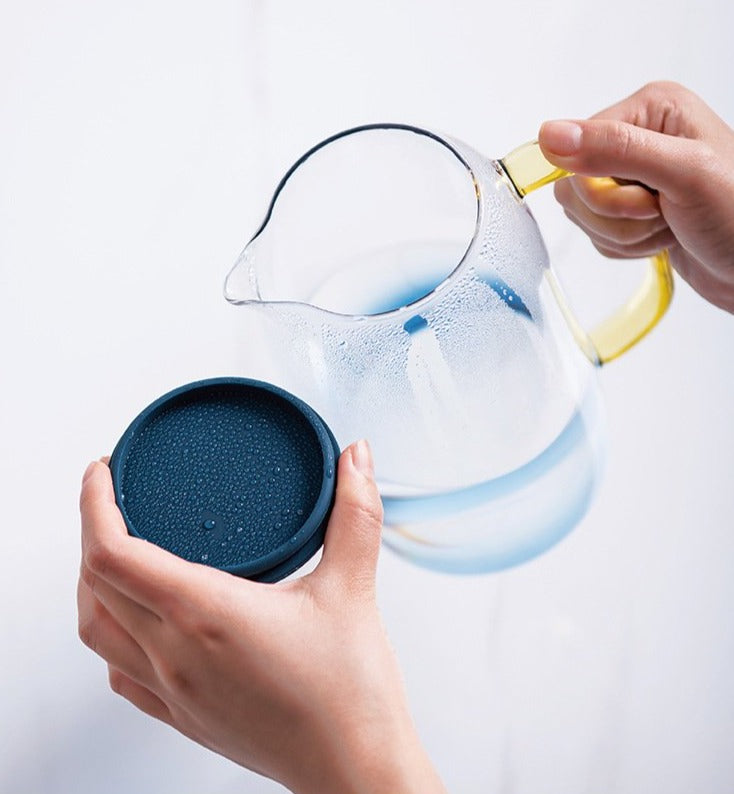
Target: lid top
233 473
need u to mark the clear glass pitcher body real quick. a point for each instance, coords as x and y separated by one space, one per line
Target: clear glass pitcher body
407 296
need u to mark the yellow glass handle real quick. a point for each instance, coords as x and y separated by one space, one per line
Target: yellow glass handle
528 170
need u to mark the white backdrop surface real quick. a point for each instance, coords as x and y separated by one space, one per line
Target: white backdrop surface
139 143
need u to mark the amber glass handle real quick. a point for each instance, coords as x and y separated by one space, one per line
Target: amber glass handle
528 170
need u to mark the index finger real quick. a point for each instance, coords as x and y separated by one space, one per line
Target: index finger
610 199
662 106
146 573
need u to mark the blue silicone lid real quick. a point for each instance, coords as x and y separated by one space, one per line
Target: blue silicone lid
230 472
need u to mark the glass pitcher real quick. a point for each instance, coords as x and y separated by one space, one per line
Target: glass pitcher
406 293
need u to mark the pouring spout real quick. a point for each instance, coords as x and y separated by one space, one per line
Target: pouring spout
240 285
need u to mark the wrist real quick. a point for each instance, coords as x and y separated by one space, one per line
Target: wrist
403 767
384 758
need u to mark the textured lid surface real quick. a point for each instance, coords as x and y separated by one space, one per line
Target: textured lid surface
233 473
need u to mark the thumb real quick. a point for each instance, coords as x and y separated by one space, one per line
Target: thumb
677 167
352 542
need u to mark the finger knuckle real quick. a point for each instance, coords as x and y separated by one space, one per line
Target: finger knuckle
367 511
620 139
660 90
572 217
360 587
116 681
608 251
706 162
89 578
563 191
170 609
637 233
180 615
666 96
99 558
176 676
699 179
668 103
87 631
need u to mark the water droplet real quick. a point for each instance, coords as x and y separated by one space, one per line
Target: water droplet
276 470
278 525
240 529
209 523
204 557
330 471
286 511
299 512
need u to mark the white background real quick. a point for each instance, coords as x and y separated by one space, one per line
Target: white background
139 143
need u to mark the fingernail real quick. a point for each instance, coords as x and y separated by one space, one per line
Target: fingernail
561 137
362 458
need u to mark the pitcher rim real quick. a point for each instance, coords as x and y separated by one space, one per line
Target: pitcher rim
392 313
